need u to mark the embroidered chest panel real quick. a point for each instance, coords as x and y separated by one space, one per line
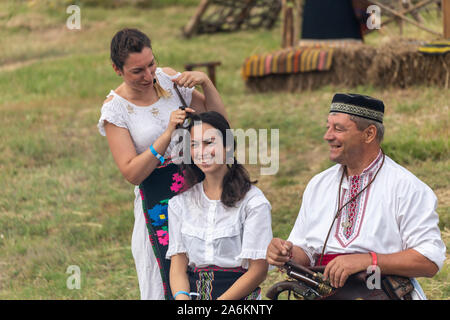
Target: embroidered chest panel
352 216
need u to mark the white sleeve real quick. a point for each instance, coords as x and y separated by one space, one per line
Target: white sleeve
297 235
257 231
112 112
175 240
186 93
418 222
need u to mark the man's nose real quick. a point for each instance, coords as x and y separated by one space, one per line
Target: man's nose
328 136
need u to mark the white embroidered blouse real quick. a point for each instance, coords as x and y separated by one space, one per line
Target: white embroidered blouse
212 234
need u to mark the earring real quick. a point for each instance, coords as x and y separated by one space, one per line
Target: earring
154 81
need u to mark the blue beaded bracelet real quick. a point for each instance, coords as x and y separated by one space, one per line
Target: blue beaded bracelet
156 154
181 292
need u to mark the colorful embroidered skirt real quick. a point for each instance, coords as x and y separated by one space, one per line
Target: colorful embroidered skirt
162 184
212 281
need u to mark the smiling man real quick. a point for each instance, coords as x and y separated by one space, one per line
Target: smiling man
366 210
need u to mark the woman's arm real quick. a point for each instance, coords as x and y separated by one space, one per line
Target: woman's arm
136 168
249 281
209 100
178 277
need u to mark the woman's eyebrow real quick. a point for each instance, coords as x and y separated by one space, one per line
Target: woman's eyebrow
140 68
209 139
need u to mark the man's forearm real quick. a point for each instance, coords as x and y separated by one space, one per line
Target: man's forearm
407 263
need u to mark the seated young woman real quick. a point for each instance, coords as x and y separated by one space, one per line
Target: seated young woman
220 226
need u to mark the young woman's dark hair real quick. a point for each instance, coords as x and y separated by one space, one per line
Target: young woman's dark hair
236 182
127 41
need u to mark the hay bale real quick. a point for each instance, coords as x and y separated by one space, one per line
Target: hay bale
394 64
399 64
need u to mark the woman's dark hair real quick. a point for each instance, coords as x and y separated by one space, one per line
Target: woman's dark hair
127 41
236 182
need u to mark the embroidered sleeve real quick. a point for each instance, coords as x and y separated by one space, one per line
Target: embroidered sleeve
175 240
112 112
418 223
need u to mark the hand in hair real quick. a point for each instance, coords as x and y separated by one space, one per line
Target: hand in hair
177 117
190 79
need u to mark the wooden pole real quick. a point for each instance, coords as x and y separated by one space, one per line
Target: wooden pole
410 9
192 24
399 20
446 18
288 24
298 6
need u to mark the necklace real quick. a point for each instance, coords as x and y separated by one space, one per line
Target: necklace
339 211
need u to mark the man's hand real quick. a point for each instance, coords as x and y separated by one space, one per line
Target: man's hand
279 252
341 267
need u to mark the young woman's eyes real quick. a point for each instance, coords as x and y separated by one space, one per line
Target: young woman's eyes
196 144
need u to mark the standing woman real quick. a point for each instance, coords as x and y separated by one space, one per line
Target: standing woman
138 119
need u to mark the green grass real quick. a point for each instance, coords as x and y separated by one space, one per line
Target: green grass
64 201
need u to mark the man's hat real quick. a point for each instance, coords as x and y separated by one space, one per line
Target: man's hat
358 105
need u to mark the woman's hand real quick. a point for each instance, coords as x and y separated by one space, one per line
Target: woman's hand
190 79
177 117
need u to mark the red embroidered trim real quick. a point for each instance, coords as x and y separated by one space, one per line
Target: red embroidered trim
327 258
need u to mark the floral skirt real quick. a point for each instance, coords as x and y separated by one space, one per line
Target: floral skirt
162 184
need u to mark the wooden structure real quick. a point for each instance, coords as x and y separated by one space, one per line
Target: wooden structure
232 15
396 11
399 63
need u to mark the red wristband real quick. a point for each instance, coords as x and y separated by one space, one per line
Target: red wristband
374 260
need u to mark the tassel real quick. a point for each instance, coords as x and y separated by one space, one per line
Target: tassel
159 90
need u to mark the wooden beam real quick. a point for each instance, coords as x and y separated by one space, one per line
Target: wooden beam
288 24
409 10
446 17
298 9
244 13
401 16
399 20
192 24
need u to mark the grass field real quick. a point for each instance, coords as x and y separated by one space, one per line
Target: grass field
65 203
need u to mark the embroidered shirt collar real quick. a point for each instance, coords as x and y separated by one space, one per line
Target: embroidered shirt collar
371 169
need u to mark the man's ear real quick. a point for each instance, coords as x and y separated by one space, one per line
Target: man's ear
370 133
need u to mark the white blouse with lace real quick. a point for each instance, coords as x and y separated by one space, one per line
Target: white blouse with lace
145 124
212 234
